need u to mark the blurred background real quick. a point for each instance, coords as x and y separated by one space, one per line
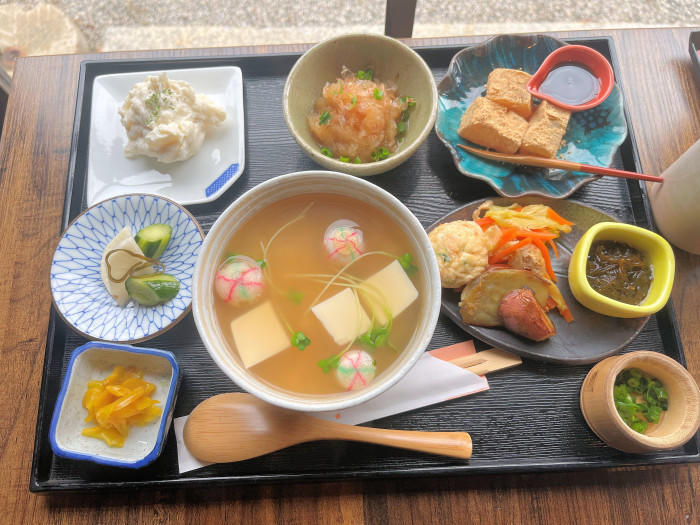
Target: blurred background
70 26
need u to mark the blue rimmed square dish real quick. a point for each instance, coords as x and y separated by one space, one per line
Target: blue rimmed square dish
592 137
96 360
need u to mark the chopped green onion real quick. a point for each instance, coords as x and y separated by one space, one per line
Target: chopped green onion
411 103
381 153
327 152
365 75
343 158
295 296
261 263
378 94
357 160
353 101
406 262
325 118
401 127
300 340
340 91
650 399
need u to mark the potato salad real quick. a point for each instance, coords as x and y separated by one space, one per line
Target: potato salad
165 119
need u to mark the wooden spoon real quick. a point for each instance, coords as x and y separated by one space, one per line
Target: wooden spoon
234 427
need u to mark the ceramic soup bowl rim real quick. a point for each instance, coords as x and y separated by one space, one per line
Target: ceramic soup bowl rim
250 203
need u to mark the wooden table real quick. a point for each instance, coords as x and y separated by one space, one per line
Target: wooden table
664 102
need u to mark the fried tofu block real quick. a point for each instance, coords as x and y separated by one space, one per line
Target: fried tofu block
508 87
546 129
493 126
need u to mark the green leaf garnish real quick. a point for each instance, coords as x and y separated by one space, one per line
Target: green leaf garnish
329 363
378 94
300 340
325 118
406 262
295 296
327 152
376 337
343 158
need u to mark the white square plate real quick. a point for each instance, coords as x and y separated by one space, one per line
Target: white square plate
201 178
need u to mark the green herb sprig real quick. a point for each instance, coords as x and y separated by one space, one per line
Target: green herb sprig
300 340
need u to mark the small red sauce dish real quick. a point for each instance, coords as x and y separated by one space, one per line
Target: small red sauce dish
574 78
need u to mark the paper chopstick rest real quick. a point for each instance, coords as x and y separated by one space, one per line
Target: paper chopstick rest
432 380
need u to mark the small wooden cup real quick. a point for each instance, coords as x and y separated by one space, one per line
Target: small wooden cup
678 424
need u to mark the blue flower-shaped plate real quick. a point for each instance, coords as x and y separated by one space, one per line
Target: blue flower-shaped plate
76 285
593 136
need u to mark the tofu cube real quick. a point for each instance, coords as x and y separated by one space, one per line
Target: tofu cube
259 334
547 127
389 288
342 316
508 87
493 126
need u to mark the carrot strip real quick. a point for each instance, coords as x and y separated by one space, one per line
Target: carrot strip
536 234
507 235
554 248
545 254
566 314
485 222
557 218
505 252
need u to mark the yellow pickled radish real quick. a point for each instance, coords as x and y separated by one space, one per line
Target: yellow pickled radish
118 401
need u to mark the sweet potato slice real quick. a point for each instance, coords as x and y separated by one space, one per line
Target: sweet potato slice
523 315
481 298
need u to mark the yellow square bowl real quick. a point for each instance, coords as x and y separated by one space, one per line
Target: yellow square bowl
657 251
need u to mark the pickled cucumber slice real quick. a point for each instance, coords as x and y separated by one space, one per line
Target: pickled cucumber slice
154 239
150 290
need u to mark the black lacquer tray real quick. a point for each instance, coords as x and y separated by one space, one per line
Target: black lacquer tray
528 421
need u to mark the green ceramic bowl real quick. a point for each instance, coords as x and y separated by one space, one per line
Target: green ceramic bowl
391 61
658 252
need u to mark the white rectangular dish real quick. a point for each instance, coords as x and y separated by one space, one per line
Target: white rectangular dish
202 178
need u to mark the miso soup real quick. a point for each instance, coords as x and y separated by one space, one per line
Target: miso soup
318 293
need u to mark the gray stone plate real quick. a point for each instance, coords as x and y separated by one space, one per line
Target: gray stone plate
591 336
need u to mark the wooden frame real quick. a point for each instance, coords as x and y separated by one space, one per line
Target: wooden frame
400 15
5 82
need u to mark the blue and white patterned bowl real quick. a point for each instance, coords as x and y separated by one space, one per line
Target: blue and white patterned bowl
78 292
593 136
